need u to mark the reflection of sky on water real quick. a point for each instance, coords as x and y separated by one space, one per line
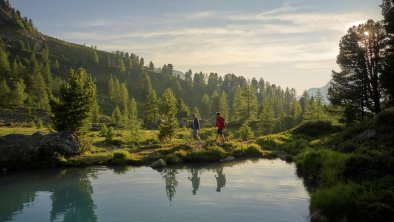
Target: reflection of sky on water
262 190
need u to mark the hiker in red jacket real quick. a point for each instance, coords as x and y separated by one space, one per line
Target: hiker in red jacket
220 124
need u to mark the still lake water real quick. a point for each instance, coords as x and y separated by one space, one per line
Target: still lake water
258 190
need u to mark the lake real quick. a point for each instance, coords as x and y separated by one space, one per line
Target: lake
249 190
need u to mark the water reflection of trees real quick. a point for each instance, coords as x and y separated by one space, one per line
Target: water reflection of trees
169 176
71 193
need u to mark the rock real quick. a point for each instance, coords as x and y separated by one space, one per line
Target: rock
364 136
228 158
284 156
158 163
18 150
317 217
39 133
65 143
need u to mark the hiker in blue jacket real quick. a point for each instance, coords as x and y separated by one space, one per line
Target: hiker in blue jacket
196 127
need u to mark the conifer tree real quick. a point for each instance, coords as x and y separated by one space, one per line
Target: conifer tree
205 106
124 97
117 117
151 109
94 57
5 67
18 94
111 88
249 96
38 91
182 110
168 122
4 92
357 85
239 106
73 110
267 117
223 105
133 124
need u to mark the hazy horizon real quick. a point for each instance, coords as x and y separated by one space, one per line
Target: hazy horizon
291 43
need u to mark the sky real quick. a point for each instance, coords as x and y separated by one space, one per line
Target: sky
291 43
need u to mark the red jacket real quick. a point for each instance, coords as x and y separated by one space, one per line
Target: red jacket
220 122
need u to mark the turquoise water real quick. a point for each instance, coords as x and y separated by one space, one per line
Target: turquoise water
260 190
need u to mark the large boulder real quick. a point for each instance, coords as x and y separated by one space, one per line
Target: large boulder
23 150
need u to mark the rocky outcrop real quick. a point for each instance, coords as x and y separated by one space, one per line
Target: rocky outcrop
365 136
158 163
226 159
18 150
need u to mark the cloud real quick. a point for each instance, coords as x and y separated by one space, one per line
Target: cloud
299 39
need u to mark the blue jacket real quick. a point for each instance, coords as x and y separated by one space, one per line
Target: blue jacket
196 123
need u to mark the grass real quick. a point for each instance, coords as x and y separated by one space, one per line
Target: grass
21 130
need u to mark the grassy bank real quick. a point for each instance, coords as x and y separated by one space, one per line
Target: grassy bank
350 173
121 149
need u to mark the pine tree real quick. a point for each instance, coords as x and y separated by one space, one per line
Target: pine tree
249 96
133 124
357 85
182 110
124 97
267 117
73 110
94 57
151 109
145 87
239 106
223 104
18 94
205 106
387 76
111 88
5 67
4 92
117 117
38 91
168 122
295 112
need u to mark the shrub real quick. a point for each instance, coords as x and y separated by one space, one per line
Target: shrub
355 202
309 164
295 146
253 150
109 135
337 203
245 132
120 157
368 167
385 119
316 128
322 166
272 141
